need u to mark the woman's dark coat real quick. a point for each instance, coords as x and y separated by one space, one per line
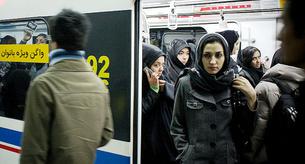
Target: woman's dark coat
157 143
203 113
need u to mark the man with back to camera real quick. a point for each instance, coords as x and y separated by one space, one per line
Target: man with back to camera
68 111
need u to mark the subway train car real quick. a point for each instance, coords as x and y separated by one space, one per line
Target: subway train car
257 21
110 52
114 51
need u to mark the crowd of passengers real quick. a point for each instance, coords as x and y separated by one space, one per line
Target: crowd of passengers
15 78
211 104
207 102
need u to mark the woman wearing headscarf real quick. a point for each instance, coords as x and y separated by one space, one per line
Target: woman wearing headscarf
179 58
201 124
157 105
233 40
252 63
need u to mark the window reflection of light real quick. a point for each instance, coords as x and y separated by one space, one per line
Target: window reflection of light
2 2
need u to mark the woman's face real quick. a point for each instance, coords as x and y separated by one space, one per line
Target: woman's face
158 66
184 55
213 57
40 40
256 60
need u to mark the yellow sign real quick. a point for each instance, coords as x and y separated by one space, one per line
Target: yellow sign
30 53
282 3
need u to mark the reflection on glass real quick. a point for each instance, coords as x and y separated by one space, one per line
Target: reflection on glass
15 73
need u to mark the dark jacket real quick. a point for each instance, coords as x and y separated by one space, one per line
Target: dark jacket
201 125
157 143
14 93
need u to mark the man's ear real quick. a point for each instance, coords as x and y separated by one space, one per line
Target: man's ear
53 46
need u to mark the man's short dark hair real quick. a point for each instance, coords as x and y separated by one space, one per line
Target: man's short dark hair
44 36
70 29
8 40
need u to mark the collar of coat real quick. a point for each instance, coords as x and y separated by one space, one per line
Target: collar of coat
62 54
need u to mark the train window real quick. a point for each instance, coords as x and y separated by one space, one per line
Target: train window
163 37
23 55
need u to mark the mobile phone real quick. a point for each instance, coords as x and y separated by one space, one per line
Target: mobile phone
146 69
31 26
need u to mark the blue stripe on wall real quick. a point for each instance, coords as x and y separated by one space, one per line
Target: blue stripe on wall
14 137
10 136
108 158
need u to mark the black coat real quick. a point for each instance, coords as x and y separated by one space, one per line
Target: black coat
14 93
200 125
157 143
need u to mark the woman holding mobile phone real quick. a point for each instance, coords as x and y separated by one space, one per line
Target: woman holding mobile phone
157 105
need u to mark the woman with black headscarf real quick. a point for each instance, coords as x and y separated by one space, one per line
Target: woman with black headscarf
179 58
252 63
233 40
157 105
201 124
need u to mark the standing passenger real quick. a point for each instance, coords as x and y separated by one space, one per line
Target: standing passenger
233 40
292 74
203 110
252 63
192 44
179 58
157 105
5 68
67 113
39 68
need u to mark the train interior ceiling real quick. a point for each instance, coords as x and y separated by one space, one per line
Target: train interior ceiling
257 21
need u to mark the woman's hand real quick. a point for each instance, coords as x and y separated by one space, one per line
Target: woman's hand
246 88
152 79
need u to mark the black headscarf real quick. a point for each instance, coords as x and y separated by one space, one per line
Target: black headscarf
174 64
256 73
200 78
150 54
231 37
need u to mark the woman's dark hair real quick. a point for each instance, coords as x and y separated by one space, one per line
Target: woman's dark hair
70 29
247 54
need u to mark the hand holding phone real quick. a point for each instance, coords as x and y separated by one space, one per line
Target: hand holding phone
148 70
151 77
